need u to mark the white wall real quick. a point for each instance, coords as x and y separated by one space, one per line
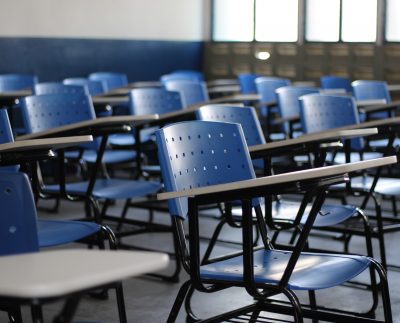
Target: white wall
117 19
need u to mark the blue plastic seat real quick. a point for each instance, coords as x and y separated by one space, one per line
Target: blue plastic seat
147 101
321 112
89 154
192 92
13 82
201 153
246 82
22 232
332 82
53 110
373 90
110 80
182 75
266 87
59 88
289 106
281 209
94 87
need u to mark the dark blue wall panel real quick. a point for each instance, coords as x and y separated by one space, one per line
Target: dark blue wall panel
53 59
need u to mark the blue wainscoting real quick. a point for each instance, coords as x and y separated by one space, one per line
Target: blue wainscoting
53 59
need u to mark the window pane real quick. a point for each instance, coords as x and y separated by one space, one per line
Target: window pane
233 20
322 20
359 20
276 20
393 20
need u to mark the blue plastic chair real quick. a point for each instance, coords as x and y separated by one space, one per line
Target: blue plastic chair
94 87
192 92
266 87
59 88
44 112
373 90
193 76
22 232
147 101
13 82
246 82
110 80
321 112
89 154
281 209
198 154
289 106
336 82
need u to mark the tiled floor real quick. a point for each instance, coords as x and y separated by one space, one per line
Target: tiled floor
149 300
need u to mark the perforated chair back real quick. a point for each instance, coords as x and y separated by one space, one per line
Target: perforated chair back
246 82
59 88
153 100
288 99
94 87
336 82
14 82
192 92
5 137
321 112
201 153
110 80
266 87
43 112
245 116
18 228
371 90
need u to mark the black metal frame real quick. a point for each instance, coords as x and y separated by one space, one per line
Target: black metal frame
190 257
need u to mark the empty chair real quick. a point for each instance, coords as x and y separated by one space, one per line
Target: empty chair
266 87
59 88
44 112
332 82
321 112
110 80
289 106
94 87
371 90
13 82
192 92
147 101
246 82
187 75
207 161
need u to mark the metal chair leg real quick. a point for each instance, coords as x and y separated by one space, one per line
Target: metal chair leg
179 301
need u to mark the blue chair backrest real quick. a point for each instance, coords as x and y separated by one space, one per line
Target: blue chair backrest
58 88
266 87
111 80
245 116
201 153
288 101
18 228
336 82
320 112
6 136
180 77
192 92
246 83
371 90
153 100
43 112
94 87
14 82
196 74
